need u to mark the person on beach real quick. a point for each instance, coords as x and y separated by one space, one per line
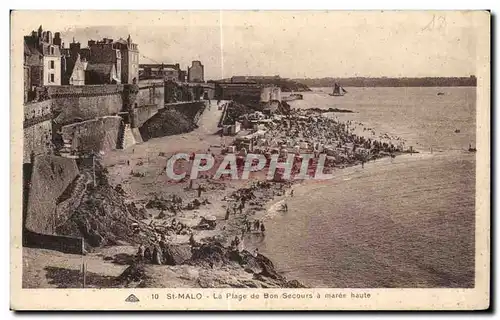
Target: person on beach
147 254
291 193
157 255
128 162
235 243
192 241
262 228
256 252
227 214
199 191
257 225
140 253
284 206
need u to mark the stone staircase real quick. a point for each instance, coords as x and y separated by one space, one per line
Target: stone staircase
66 150
65 208
125 137
121 136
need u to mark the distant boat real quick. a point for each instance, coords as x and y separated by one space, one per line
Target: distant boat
338 91
471 149
440 94
457 131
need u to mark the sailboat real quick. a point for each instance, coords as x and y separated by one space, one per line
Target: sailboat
338 91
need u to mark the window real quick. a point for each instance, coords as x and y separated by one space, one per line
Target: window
51 49
52 64
51 77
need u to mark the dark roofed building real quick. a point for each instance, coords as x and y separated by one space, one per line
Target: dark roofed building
101 73
33 71
42 45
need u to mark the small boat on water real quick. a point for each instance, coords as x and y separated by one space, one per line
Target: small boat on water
338 91
457 131
440 94
471 149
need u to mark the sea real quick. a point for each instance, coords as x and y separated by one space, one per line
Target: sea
407 222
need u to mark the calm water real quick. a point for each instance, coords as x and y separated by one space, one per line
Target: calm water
406 223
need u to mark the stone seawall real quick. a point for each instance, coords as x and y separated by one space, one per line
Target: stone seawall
50 177
144 113
53 242
76 103
37 129
98 135
151 94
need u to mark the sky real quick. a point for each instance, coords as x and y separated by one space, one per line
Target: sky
292 44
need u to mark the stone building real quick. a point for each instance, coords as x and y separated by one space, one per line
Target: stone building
101 73
44 44
171 74
182 75
104 53
196 72
130 60
164 71
75 71
33 71
123 54
73 65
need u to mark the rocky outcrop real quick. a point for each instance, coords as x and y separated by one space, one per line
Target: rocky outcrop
176 254
211 266
103 216
165 123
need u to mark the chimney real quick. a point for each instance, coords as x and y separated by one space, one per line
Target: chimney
57 39
74 48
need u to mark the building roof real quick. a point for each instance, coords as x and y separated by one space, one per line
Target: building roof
30 49
46 51
96 73
122 41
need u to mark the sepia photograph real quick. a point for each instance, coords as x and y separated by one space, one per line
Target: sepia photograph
326 155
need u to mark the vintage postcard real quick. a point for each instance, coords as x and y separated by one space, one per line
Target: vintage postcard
250 160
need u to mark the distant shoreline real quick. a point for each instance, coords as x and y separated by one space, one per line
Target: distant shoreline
391 82
381 86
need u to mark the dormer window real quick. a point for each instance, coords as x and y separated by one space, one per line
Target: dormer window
51 50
